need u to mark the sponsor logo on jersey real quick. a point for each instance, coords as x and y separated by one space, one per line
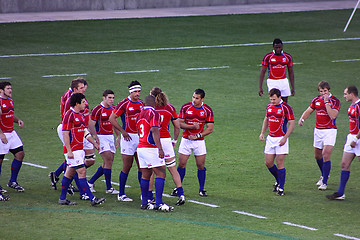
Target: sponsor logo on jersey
104 114
279 111
131 109
202 113
190 112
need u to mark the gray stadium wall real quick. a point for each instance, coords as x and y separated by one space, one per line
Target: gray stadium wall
19 6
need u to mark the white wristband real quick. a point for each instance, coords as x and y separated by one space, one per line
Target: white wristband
174 141
302 120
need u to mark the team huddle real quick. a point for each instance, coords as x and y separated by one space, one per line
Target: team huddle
280 121
144 136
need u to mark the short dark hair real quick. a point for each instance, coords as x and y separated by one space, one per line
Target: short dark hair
107 92
76 98
323 85
277 41
352 89
155 91
200 92
133 83
4 84
150 100
274 91
75 83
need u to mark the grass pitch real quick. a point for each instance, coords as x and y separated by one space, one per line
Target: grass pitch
237 179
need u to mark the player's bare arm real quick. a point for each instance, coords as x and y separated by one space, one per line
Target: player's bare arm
93 131
292 80
305 115
184 125
156 135
263 129
18 121
117 140
209 129
261 80
67 144
288 132
114 122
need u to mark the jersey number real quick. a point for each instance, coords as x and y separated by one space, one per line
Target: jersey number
141 132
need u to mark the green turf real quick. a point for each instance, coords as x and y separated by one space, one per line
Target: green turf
237 178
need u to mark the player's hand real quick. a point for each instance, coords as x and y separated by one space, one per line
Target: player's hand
196 125
282 141
192 137
261 92
261 137
21 124
326 97
3 138
161 153
301 122
70 155
127 137
352 144
117 142
292 92
97 140
96 145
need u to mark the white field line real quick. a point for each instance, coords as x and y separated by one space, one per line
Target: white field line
250 214
206 68
346 236
140 71
5 78
65 75
30 164
205 204
174 48
346 60
300 226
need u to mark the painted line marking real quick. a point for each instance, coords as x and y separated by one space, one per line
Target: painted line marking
140 71
5 78
65 75
162 218
117 184
250 214
205 204
30 164
174 48
300 226
346 236
346 60
206 68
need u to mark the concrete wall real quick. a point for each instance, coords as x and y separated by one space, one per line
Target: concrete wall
18 6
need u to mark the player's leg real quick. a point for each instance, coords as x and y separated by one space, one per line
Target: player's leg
182 165
145 182
326 153
108 157
15 168
2 190
137 163
280 160
159 183
269 162
201 173
65 183
150 194
127 164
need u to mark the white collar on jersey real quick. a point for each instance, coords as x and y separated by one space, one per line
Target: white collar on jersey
281 52
148 107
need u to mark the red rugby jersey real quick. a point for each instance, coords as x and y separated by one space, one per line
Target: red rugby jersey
100 115
191 115
75 123
278 117
147 119
7 115
323 120
354 117
128 111
277 64
167 114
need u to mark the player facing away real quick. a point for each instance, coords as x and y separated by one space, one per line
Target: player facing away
277 118
352 145
74 131
168 114
327 108
10 140
128 109
151 155
102 131
193 117
276 62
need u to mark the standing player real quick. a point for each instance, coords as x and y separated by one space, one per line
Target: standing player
352 145
77 86
102 130
10 140
278 115
277 61
151 155
327 108
128 109
193 116
168 113
74 131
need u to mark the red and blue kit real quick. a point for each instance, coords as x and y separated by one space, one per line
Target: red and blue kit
277 64
278 117
323 120
147 119
128 111
75 123
85 112
167 114
100 115
7 115
354 117
191 115
63 100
